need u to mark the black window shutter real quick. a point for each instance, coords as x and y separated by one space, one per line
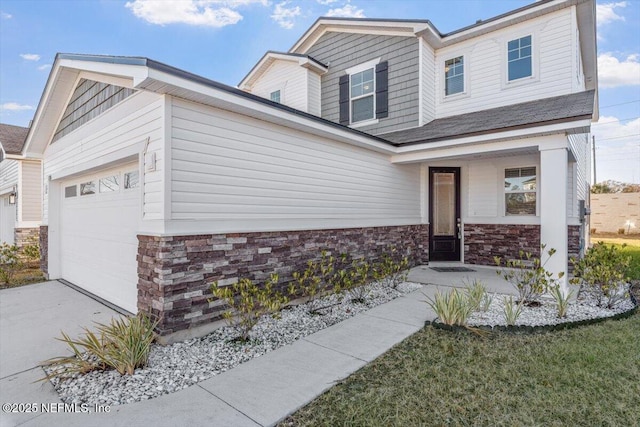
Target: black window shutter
382 90
344 99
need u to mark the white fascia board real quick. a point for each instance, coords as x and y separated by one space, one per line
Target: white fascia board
232 102
323 25
127 71
474 144
438 41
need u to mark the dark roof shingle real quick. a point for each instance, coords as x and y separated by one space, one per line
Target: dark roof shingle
527 114
12 138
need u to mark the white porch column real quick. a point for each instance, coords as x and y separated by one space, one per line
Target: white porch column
553 207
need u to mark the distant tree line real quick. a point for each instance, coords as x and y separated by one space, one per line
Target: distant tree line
611 186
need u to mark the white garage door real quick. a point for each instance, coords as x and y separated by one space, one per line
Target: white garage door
7 220
98 226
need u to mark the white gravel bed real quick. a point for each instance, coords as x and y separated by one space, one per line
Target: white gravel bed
584 308
175 367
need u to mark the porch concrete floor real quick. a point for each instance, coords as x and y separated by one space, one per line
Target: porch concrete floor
487 275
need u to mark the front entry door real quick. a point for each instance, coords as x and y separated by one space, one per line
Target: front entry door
444 214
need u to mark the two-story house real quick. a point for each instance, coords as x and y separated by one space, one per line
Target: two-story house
367 134
20 189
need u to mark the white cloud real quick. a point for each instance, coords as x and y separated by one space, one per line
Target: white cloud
617 149
326 2
14 106
208 13
606 12
6 15
30 56
284 15
613 73
44 67
347 11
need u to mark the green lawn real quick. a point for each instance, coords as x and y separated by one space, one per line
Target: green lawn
582 377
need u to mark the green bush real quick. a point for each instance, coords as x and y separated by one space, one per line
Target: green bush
314 280
248 302
528 274
392 269
562 300
360 274
123 345
10 262
477 295
604 269
31 251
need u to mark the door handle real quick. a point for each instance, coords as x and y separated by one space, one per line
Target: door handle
459 224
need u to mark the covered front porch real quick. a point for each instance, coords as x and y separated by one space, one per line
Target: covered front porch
497 198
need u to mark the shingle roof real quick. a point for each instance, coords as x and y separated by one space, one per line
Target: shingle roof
12 138
527 114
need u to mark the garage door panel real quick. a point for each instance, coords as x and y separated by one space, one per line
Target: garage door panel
98 241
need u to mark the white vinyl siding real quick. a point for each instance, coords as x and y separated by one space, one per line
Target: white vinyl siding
30 194
427 83
314 94
581 178
483 189
238 174
127 126
553 38
8 175
289 78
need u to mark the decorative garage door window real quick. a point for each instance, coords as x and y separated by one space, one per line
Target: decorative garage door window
109 184
520 191
131 180
71 191
87 188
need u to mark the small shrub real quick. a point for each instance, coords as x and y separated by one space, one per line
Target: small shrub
10 262
452 308
485 304
313 281
528 275
248 302
604 270
31 252
392 269
123 345
476 293
512 310
361 274
620 230
562 300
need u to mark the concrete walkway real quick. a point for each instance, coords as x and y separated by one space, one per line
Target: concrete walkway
260 392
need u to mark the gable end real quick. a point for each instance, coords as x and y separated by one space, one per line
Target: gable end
89 100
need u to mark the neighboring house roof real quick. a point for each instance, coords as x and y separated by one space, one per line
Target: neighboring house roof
271 56
546 111
12 138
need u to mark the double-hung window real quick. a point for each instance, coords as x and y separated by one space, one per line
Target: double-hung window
520 186
519 58
362 99
275 96
454 76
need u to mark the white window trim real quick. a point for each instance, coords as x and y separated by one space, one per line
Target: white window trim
358 69
504 192
465 69
271 92
535 59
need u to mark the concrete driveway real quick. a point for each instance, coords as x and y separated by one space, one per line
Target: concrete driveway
31 317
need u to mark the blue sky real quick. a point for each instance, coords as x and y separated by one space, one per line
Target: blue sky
222 40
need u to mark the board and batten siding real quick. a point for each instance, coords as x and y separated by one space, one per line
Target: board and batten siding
554 45
290 79
129 124
231 173
345 50
8 175
30 196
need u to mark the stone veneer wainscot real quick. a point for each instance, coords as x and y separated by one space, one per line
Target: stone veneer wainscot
175 272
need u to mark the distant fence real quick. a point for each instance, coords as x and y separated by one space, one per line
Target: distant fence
611 213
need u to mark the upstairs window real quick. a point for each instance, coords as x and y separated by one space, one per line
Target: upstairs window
454 76
519 58
362 96
520 188
275 96
363 93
